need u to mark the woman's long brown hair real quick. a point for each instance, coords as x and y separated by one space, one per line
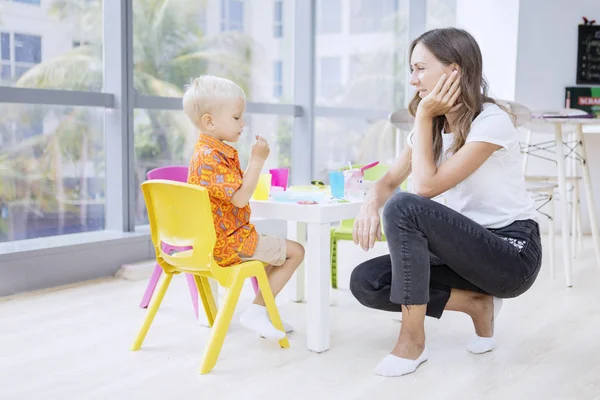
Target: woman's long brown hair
456 46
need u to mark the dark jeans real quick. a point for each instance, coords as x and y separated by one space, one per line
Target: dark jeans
434 249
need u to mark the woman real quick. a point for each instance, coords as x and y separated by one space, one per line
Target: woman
484 245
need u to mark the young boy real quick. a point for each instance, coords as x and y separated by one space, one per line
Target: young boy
216 106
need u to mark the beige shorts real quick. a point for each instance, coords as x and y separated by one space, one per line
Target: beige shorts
270 249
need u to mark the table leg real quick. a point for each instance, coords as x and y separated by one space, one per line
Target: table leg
214 287
589 195
296 231
564 203
318 288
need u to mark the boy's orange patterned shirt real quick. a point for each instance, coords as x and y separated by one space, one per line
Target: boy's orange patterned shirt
216 166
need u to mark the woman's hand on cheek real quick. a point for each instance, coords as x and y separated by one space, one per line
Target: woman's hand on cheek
442 99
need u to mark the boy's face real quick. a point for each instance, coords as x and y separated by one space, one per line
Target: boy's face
228 120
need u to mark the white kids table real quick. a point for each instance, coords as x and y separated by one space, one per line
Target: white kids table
315 220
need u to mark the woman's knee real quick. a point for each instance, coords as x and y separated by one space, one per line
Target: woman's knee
399 206
370 284
358 279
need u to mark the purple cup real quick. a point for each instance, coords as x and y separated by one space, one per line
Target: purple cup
279 177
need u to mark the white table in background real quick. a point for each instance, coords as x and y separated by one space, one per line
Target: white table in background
315 220
559 123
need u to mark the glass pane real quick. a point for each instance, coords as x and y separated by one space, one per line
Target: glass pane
187 41
366 15
5 46
20 71
277 79
372 56
28 48
43 37
329 16
52 179
440 14
359 141
168 138
5 73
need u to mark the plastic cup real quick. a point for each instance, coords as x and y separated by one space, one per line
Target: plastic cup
263 187
336 182
280 177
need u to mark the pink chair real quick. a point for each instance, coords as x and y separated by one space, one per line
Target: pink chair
174 173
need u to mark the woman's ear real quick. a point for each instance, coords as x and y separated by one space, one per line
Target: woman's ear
455 67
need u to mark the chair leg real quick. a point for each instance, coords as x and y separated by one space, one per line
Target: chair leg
574 222
269 299
578 219
333 249
526 153
254 284
152 312
208 302
551 236
151 286
217 336
193 292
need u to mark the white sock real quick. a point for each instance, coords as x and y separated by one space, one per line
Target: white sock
392 365
286 327
256 319
480 345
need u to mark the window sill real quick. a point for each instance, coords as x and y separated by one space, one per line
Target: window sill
55 244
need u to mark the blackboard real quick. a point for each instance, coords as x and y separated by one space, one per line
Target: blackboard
588 54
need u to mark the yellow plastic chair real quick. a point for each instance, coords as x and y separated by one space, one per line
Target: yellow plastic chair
180 215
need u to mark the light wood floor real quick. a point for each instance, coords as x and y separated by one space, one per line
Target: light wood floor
73 344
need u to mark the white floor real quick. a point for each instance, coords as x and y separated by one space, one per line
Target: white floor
73 344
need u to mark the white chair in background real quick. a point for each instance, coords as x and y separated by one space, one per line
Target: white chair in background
545 150
542 191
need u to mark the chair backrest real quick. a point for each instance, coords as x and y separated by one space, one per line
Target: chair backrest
376 173
176 173
521 113
402 119
180 215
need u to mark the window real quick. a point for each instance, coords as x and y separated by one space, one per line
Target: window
232 15
278 19
355 140
329 16
331 80
373 72
369 16
54 183
5 57
277 79
19 52
360 79
77 43
48 35
167 138
165 65
35 2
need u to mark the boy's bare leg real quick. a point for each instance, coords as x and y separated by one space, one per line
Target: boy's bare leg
279 276
256 317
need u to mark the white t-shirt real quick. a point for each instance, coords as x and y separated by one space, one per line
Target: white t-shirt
494 195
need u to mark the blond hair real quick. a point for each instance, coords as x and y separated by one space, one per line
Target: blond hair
203 93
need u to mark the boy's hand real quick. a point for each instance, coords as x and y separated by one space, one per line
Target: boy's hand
260 150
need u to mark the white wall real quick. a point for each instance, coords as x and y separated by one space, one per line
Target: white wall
547 50
546 63
494 24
